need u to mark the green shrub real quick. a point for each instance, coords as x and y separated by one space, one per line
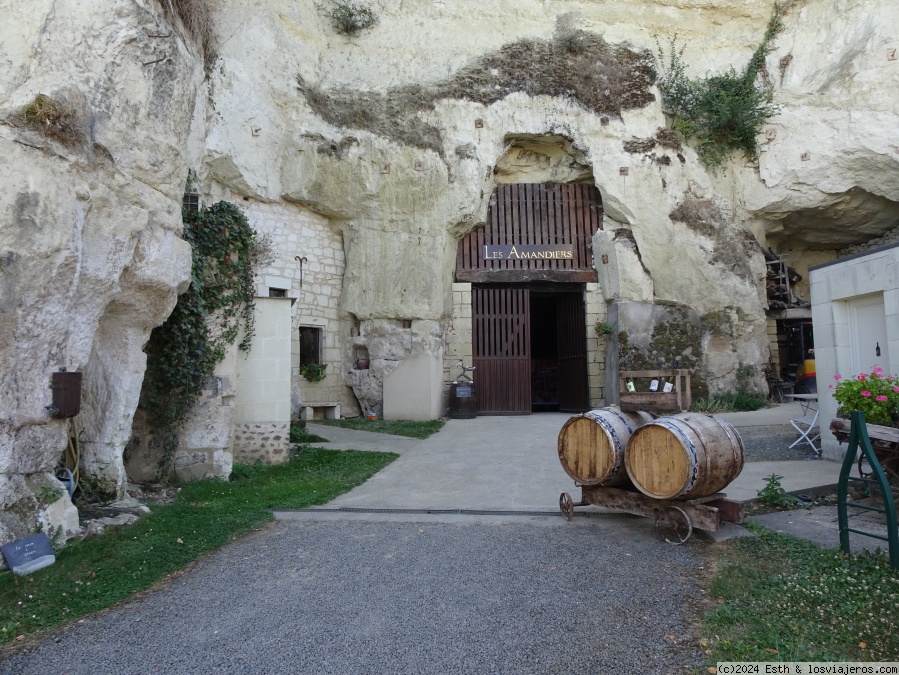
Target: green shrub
298 434
739 401
773 493
722 113
183 352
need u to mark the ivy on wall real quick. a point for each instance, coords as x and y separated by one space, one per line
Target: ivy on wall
183 352
723 113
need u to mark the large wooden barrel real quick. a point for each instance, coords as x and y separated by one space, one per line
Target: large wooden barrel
684 456
591 446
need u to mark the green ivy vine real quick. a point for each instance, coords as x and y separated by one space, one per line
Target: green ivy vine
723 113
184 351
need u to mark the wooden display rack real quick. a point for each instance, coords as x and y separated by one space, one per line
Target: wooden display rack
677 400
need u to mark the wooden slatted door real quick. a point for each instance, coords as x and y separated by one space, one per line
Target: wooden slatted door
557 220
501 339
572 340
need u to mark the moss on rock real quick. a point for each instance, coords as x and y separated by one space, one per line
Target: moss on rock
576 65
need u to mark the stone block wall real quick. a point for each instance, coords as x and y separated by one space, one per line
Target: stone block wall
316 286
262 397
458 336
595 308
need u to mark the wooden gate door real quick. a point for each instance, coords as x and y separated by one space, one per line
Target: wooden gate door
572 336
501 339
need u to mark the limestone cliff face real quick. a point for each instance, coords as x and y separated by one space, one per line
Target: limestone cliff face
391 142
90 244
399 135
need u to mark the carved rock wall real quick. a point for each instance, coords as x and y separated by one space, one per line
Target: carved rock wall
396 138
401 142
90 229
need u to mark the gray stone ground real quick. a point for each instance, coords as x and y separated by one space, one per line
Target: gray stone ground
363 591
772 444
536 595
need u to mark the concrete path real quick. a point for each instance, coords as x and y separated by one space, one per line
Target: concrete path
487 463
505 467
511 464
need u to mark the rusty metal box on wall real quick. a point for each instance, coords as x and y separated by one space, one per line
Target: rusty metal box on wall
66 394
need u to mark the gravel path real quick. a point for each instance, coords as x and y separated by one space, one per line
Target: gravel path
360 593
537 595
772 444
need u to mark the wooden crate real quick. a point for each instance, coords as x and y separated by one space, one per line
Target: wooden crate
677 400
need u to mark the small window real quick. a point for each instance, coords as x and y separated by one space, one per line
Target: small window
277 292
310 345
190 202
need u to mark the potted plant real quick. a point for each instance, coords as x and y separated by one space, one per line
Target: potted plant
875 394
602 328
313 372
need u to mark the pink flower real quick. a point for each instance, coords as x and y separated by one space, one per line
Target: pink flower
830 386
896 390
838 377
861 377
881 398
866 393
877 369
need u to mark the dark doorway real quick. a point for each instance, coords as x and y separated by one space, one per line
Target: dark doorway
544 354
530 348
558 351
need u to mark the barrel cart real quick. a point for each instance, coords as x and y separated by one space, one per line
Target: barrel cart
670 468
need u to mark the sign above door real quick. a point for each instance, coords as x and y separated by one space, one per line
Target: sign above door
524 252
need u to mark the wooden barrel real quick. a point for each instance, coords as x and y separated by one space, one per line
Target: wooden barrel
591 446
684 456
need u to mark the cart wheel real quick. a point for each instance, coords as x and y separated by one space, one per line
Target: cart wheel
566 505
676 522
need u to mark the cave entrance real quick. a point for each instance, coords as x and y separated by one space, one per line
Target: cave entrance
529 269
530 348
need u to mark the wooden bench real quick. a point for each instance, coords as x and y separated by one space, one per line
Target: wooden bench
307 411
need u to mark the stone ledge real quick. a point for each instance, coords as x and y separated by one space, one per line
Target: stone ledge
307 411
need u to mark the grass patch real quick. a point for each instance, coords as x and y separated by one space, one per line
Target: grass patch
95 574
395 427
785 599
54 119
299 434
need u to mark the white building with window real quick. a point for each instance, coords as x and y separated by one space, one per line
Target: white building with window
855 311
